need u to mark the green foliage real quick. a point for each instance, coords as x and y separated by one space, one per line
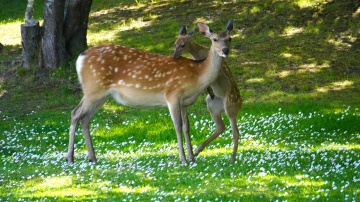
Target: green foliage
14 10
297 66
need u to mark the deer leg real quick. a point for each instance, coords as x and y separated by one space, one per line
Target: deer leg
75 117
85 121
83 111
235 132
215 107
186 130
175 112
232 113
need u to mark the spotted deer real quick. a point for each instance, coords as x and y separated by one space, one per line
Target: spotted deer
138 78
227 96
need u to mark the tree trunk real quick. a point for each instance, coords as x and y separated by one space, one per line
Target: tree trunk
53 42
31 39
64 30
31 44
75 26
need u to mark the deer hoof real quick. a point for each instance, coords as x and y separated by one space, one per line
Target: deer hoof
69 161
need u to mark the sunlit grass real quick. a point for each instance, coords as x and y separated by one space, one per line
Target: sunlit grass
282 156
308 3
10 33
296 66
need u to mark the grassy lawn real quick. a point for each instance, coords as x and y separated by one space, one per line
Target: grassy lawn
297 66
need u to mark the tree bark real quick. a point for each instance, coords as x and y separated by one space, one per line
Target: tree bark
63 34
76 25
31 44
53 42
65 29
30 39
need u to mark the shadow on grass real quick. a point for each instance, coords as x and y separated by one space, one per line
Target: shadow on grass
283 51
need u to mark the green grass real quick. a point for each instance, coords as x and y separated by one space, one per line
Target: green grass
297 67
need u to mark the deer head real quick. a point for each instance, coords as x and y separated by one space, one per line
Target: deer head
182 41
220 40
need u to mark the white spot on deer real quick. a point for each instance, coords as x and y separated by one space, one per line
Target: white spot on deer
125 57
116 69
137 85
169 81
134 76
102 61
121 82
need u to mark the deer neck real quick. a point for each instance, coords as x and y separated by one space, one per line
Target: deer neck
197 51
211 68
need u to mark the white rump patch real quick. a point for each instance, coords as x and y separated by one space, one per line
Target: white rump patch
79 65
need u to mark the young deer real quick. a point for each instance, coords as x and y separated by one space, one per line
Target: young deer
227 96
137 78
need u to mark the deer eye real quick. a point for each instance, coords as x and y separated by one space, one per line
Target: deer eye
215 39
182 45
230 39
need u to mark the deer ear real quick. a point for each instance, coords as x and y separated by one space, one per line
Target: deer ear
229 25
191 33
182 31
204 29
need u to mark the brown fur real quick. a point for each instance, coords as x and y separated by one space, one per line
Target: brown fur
227 96
137 78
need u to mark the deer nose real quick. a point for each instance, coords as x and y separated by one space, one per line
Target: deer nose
175 55
226 51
